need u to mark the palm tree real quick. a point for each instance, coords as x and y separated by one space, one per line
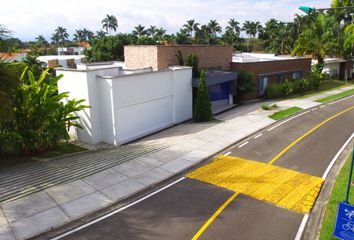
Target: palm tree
319 39
88 35
251 29
100 34
282 41
62 34
231 37
214 27
4 32
79 36
151 30
139 31
234 26
190 26
41 41
160 33
110 23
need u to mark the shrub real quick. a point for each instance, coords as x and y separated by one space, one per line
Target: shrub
192 61
317 77
287 88
245 85
266 106
301 86
202 107
39 117
274 91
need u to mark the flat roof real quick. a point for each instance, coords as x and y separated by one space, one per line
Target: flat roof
260 57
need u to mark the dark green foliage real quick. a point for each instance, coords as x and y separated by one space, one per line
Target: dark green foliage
109 48
192 61
274 91
180 58
301 86
245 85
202 108
39 117
287 88
316 77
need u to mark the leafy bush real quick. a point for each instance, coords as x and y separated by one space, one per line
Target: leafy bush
39 118
202 108
274 91
192 60
287 88
266 106
316 76
245 85
301 86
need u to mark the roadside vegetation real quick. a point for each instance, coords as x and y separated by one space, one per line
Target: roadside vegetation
267 107
336 96
285 113
34 118
337 195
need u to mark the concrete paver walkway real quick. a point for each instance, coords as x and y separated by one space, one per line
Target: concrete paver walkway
184 146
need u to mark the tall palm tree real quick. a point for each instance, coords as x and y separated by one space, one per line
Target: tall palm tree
160 33
41 41
139 31
151 30
234 26
79 36
88 34
4 32
319 39
190 26
110 23
61 34
251 29
214 27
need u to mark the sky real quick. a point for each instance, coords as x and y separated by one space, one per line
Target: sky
27 19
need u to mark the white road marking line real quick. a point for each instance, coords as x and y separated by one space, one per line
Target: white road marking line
243 144
258 135
305 219
270 129
335 158
116 211
302 227
226 154
322 106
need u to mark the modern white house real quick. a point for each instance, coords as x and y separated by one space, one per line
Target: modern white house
127 104
63 60
71 50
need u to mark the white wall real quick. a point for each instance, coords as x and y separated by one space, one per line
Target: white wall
126 107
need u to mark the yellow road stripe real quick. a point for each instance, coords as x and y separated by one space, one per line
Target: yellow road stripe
212 218
307 133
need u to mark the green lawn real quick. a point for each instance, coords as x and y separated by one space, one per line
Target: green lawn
338 194
336 96
63 148
285 113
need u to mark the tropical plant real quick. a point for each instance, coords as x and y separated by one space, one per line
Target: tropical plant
139 31
179 58
319 39
79 36
202 108
4 32
287 88
231 38
301 86
190 26
40 117
317 76
192 60
234 26
251 29
110 23
151 31
245 85
214 27
41 41
100 34
61 35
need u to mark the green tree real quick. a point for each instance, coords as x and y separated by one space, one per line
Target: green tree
214 27
140 31
110 23
319 39
151 31
245 85
61 35
41 41
79 35
251 29
100 34
190 27
202 108
192 60
234 26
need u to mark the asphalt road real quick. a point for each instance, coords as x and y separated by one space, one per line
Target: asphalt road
181 210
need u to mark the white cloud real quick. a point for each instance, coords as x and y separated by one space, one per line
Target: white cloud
27 19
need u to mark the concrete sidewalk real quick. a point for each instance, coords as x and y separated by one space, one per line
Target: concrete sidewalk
187 145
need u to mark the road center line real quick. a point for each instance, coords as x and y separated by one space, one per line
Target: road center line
243 144
307 133
258 135
287 120
212 218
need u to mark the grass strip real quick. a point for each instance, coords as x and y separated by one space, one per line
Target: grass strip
285 113
338 195
336 96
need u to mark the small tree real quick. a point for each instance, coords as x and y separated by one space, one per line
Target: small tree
192 61
202 107
245 85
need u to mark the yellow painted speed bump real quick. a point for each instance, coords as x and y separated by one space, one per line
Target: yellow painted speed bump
280 186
